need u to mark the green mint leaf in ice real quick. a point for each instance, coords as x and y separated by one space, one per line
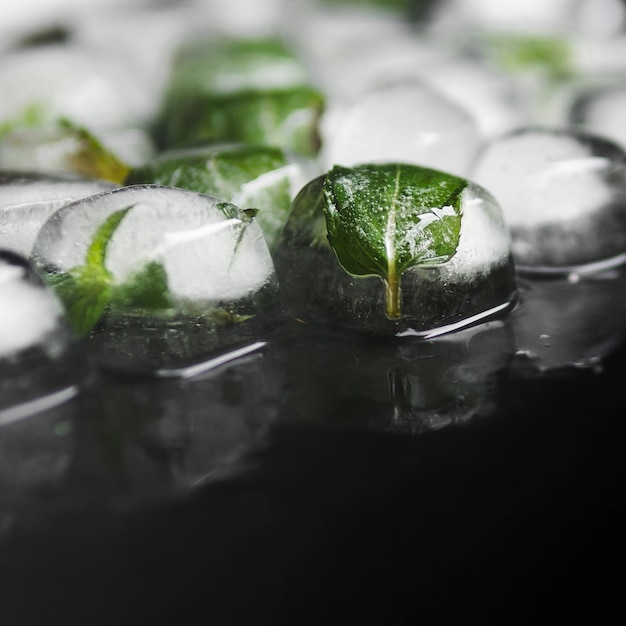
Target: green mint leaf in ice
385 218
286 118
221 65
146 289
86 290
243 174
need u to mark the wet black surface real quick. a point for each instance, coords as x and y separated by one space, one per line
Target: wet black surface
217 501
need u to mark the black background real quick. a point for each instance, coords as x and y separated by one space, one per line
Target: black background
514 518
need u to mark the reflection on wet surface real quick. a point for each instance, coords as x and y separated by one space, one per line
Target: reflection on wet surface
126 442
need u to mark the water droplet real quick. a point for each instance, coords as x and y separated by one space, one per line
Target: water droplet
545 340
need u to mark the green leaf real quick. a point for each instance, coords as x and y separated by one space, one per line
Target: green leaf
85 293
384 218
246 175
86 290
91 158
222 65
145 289
286 118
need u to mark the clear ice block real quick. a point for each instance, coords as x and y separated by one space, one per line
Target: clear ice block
159 278
476 283
563 193
27 199
41 365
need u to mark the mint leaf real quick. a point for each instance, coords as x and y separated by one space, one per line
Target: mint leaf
384 218
287 118
145 289
91 158
86 290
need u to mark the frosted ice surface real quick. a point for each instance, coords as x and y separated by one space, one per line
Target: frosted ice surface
543 177
207 255
28 312
403 121
484 241
27 200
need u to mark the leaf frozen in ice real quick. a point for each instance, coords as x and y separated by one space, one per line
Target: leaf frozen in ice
287 118
91 158
385 218
246 175
86 290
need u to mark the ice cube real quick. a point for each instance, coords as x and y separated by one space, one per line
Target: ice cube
27 199
159 277
599 17
476 282
404 121
563 194
40 363
496 102
250 176
254 91
45 83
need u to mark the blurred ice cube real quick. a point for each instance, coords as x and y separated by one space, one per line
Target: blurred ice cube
598 17
58 150
494 99
161 277
404 121
40 365
27 199
45 83
563 194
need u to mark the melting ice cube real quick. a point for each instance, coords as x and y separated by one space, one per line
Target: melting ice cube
27 199
437 297
563 194
39 359
158 276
